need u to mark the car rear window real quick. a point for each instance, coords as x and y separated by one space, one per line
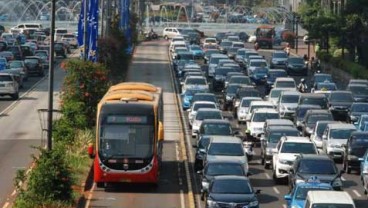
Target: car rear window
5 78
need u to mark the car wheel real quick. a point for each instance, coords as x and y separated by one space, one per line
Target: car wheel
275 179
263 162
100 184
15 96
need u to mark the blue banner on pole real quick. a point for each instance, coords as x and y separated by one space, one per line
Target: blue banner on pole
92 30
125 23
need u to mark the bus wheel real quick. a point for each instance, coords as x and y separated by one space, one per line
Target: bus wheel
100 185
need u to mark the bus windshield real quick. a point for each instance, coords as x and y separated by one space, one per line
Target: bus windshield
128 137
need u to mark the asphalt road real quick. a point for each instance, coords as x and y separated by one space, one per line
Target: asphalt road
20 129
150 64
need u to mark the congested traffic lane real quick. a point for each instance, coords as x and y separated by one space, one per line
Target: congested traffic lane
272 194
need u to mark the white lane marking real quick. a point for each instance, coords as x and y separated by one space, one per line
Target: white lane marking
356 193
276 190
284 206
6 205
90 195
343 179
268 176
182 204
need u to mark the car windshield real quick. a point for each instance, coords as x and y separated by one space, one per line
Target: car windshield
285 84
326 86
210 98
203 105
31 61
360 140
5 78
295 61
209 52
215 169
312 119
184 56
226 149
232 50
302 111
274 137
249 93
359 90
298 148
210 40
363 107
195 48
221 71
262 117
246 102
332 205
41 53
231 187
231 89
322 78
290 99
323 167
314 101
258 64
274 74
15 64
279 55
301 193
341 133
241 52
260 70
217 129
321 128
196 81
341 97
208 115
275 93
240 80
226 43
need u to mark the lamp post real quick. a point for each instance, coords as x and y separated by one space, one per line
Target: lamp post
51 78
85 49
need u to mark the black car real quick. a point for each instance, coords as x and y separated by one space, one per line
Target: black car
220 36
270 139
355 148
194 38
34 65
201 151
60 49
231 191
320 77
231 52
224 45
218 168
228 95
296 66
311 118
356 110
271 77
207 54
27 50
300 112
360 92
3 45
17 51
322 166
339 103
218 81
313 99
245 91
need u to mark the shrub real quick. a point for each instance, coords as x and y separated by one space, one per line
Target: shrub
338 53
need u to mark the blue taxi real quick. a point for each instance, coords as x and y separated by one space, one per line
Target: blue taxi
187 95
296 197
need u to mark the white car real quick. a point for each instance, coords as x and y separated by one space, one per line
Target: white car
274 95
242 110
71 39
178 50
209 41
195 82
170 32
9 85
284 83
202 114
255 63
318 130
177 44
285 154
192 111
255 104
335 137
255 125
252 39
287 104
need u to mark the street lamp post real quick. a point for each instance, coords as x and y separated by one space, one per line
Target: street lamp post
51 78
85 49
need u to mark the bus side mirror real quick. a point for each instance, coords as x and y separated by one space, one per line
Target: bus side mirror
160 131
91 150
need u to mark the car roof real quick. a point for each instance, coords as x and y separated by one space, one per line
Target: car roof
341 126
290 92
284 79
219 121
230 177
208 109
318 111
326 122
252 98
297 139
225 139
357 85
282 128
265 110
203 102
310 95
261 102
341 91
336 197
205 93
309 106
225 160
315 157
219 55
279 121
358 133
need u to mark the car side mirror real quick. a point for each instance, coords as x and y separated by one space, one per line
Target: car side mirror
258 191
200 172
353 118
291 171
250 173
324 137
287 197
361 159
195 146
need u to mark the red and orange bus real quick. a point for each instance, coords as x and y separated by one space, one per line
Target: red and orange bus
129 134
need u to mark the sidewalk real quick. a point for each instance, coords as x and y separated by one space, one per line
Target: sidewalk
303 49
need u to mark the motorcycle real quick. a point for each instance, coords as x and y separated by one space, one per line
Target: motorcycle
302 88
316 65
256 46
152 35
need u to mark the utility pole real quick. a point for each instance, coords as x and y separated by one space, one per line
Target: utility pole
85 48
296 34
51 78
